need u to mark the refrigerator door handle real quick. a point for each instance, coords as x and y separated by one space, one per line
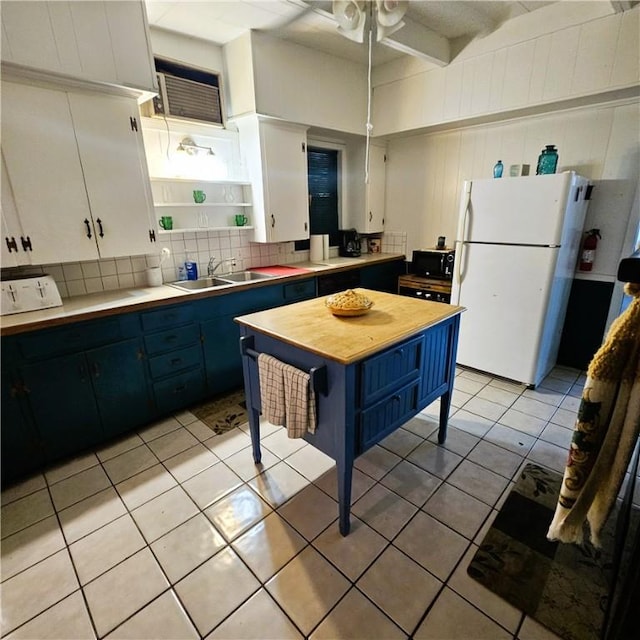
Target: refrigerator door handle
457 272
465 208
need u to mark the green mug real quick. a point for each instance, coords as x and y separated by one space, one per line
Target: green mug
199 196
166 222
241 220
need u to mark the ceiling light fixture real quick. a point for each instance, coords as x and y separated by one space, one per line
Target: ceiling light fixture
191 148
385 16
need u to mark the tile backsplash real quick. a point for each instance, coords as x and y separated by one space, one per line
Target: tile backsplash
80 278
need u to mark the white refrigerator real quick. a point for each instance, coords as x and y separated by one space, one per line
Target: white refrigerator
516 251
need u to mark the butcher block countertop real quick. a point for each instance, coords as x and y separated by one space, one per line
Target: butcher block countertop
311 326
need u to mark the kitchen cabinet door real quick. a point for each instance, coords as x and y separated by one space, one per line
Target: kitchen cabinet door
111 151
43 165
375 191
62 403
13 251
91 40
119 381
285 182
21 447
275 154
77 170
222 360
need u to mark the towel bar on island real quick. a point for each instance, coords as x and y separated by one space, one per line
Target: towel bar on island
317 375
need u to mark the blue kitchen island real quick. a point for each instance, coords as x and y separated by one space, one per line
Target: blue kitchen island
371 373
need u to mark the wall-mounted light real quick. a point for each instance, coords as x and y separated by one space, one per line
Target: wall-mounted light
190 147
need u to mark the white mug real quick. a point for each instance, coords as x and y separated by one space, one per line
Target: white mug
154 277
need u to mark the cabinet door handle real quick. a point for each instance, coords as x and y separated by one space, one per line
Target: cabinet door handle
26 243
95 369
12 245
101 234
273 221
370 216
86 221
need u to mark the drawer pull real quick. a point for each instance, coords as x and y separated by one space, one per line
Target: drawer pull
180 389
396 398
176 361
399 352
171 338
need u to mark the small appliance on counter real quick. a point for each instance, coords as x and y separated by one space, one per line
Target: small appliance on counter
433 263
29 293
430 275
350 245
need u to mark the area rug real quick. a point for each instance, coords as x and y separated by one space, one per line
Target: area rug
565 587
223 412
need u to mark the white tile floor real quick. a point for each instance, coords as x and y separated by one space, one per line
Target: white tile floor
172 532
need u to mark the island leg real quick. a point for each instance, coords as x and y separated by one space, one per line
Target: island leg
445 406
254 428
345 474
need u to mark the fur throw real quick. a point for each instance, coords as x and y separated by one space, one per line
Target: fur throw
605 433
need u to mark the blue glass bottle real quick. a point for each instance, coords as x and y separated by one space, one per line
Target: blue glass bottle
547 160
497 169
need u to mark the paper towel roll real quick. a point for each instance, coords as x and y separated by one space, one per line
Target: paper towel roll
315 248
325 246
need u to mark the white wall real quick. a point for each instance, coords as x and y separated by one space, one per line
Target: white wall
425 173
516 69
298 84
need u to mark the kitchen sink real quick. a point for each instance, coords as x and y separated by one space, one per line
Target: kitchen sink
200 283
245 276
227 280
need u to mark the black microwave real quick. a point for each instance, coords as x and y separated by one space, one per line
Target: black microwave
433 264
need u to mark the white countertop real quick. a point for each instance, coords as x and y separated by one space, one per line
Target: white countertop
107 303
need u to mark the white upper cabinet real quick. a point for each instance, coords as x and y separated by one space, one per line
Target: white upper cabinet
365 200
115 172
275 154
13 252
77 173
375 191
98 41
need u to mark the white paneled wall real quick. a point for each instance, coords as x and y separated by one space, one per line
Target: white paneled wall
574 61
425 173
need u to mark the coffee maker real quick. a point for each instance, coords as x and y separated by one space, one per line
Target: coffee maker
349 243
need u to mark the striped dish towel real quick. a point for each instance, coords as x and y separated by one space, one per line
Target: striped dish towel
271 376
286 396
299 401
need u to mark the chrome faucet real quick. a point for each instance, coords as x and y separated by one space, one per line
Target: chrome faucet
213 266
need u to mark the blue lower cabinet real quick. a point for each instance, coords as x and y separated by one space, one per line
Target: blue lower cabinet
21 449
382 277
62 403
119 381
221 349
381 419
180 391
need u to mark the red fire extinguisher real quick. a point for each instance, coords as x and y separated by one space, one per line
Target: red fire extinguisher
589 245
